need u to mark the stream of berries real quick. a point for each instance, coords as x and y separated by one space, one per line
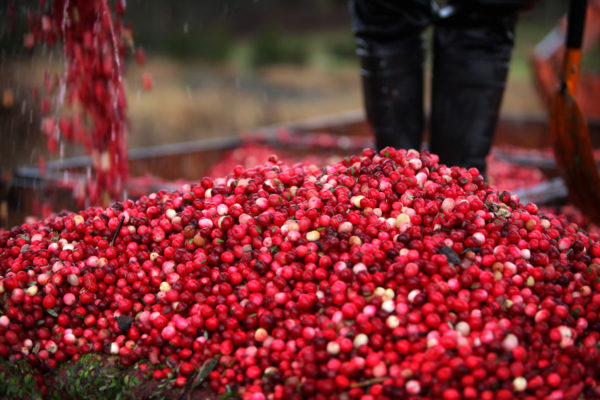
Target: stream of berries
86 105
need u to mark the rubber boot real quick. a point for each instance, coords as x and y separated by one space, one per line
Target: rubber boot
472 50
392 83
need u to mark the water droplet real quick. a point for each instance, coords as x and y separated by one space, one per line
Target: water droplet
185 27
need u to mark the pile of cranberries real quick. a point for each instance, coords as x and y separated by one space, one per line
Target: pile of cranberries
384 275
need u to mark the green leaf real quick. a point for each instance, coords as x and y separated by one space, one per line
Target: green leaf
52 312
252 315
451 255
575 312
205 371
24 248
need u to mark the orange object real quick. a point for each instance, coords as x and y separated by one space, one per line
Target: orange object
8 98
548 56
568 127
571 70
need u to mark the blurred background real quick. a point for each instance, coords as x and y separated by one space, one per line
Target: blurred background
222 67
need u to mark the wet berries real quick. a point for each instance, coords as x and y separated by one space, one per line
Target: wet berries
355 279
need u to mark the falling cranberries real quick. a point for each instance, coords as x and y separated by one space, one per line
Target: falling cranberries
95 41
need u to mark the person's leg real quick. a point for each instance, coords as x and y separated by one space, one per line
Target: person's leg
472 49
391 50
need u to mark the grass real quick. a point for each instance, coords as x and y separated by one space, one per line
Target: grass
91 378
17 381
527 35
196 98
98 377
324 49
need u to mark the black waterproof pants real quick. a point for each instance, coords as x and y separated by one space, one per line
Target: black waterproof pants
473 40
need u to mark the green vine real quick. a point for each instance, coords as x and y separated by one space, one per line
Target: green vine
17 381
92 378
